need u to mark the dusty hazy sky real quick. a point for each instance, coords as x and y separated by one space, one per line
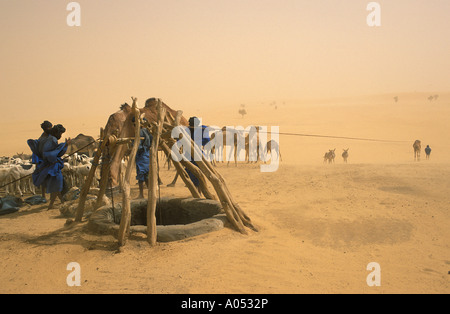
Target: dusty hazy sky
197 53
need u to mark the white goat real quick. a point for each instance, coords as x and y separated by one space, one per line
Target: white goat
22 175
5 177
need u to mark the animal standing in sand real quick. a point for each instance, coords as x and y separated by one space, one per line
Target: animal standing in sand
345 155
252 145
329 156
417 148
22 156
86 143
228 137
120 124
272 145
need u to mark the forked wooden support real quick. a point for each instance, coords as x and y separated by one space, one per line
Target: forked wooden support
104 177
233 211
126 207
90 177
182 173
153 176
201 179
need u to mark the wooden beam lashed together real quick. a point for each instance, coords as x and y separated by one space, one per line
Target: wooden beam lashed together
90 177
233 211
161 131
201 178
182 173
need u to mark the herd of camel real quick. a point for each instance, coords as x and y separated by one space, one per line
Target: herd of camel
120 124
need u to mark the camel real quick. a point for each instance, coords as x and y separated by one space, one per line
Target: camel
417 148
226 135
238 137
272 144
222 139
329 156
82 142
251 142
345 155
120 124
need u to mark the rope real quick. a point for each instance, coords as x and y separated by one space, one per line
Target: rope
280 133
327 136
341 137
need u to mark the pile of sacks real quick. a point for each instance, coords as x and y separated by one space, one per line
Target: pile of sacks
11 204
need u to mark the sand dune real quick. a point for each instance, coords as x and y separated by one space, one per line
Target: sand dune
319 228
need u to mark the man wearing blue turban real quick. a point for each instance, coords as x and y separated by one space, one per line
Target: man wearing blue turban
194 124
49 163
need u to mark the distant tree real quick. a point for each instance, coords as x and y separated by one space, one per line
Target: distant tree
436 97
430 98
396 98
242 112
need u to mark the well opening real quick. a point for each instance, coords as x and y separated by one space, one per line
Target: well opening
173 211
176 218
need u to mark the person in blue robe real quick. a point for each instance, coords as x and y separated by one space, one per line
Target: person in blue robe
46 126
143 159
48 170
194 123
428 151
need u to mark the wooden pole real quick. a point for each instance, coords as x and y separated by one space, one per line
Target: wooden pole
222 193
181 172
153 177
178 117
234 214
244 217
233 211
104 177
90 177
201 179
126 140
126 209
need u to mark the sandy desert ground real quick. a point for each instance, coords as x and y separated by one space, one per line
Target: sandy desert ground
320 225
